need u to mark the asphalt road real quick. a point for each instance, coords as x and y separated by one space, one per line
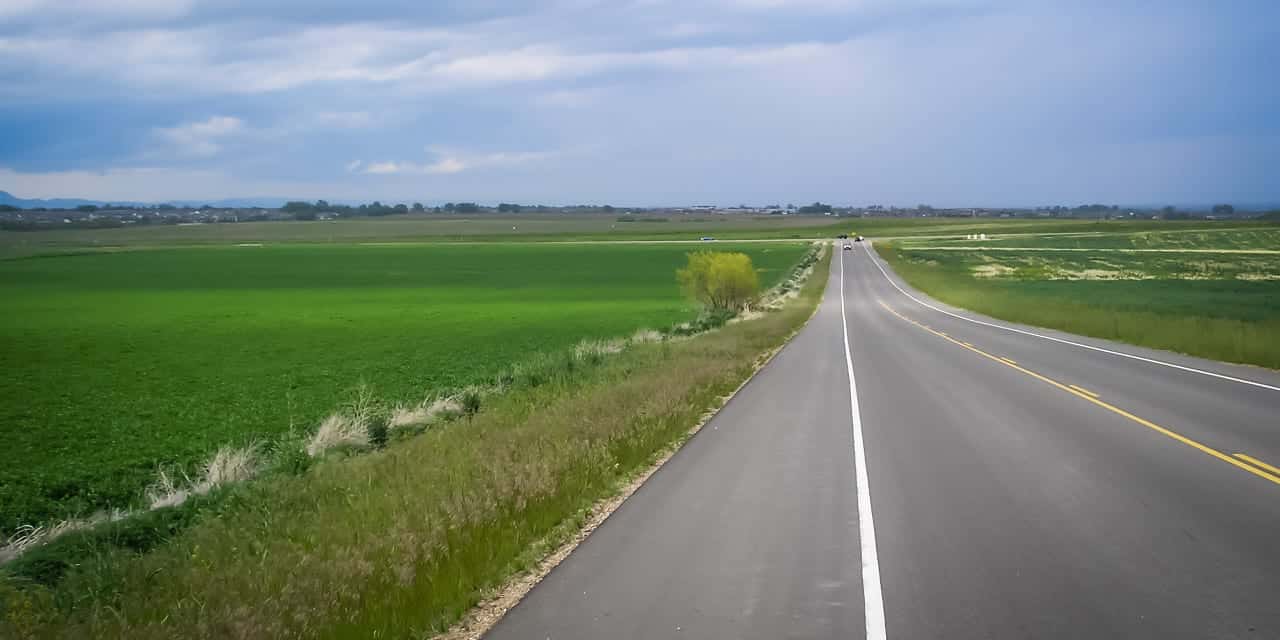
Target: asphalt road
994 499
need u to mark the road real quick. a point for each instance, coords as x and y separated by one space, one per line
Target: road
982 480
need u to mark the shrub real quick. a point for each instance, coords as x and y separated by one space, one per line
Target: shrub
471 402
379 430
720 280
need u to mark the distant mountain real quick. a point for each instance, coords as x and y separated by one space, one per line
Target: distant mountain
31 203
71 203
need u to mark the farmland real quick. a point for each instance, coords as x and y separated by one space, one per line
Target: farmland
1210 293
1166 238
419 228
402 541
553 228
114 363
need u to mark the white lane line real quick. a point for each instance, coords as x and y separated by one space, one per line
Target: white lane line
1060 340
872 599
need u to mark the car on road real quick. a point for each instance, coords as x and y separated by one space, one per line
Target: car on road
707 239
848 247
858 239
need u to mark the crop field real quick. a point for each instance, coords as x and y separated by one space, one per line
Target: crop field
112 364
421 228
1210 294
556 228
1231 238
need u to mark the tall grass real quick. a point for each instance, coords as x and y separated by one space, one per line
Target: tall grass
402 541
1188 320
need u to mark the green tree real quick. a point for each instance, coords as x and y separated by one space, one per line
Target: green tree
816 207
418 208
720 280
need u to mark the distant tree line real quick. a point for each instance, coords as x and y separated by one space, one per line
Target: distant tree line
312 211
816 207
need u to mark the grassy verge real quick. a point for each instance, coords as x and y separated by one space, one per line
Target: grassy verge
1222 309
401 542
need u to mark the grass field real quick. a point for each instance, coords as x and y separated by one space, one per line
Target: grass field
399 543
112 364
419 228
1210 301
545 227
1250 238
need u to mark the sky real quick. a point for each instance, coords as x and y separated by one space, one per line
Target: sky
644 102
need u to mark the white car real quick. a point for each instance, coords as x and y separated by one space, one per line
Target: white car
848 247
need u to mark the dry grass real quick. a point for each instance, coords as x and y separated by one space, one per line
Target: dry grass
645 336
432 410
598 348
228 465
338 430
29 537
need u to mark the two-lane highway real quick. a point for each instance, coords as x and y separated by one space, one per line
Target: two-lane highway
983 480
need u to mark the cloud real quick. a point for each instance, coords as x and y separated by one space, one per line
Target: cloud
901 101
203 138
344 119
201 60
82 9
449 161
571 98
158 184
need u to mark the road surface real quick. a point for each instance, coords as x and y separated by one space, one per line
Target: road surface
985 483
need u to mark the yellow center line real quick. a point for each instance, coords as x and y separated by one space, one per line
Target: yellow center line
1082 390
1257 462
1009 360
1109 407
966 344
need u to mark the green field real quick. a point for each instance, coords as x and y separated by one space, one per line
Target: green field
1214 294
420 228
398 542
554 227
111 364
1250 238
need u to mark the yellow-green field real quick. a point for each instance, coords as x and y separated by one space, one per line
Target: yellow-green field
1213 293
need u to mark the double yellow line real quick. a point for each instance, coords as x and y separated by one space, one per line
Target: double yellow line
1240 460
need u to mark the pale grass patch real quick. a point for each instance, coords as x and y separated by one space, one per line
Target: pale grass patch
167 491
228 465
425 413
1257 276
993 270
28 537
338 430
747 314
645 336
600 348
1100 274
402 416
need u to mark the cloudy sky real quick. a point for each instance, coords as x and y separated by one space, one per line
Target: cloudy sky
636 102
